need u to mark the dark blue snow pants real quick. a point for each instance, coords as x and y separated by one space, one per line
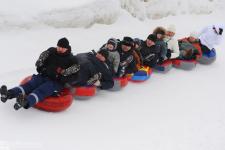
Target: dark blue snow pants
37 89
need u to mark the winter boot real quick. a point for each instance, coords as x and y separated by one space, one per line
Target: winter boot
5 94
21 101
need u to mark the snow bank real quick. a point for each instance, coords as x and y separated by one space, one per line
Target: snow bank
71 14
102 11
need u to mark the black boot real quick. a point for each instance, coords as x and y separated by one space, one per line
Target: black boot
21 101
5 94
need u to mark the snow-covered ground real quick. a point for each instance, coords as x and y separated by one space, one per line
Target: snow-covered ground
180 110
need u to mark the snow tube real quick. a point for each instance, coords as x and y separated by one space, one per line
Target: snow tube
184 64
53 103
208 58
84 92
119 83
164 67
141 75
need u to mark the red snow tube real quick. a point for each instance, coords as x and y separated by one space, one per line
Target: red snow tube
184 64
123 81
84 92
164 67
53 104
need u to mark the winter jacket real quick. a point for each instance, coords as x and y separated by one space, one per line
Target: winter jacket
150 55
209 38
172 45
163 48
185 44
91 70
57 66
113 58
127 62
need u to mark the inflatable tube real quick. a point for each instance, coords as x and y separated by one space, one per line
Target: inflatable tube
53 103
164 67
141 75
84 92
119 83
208 58
184 64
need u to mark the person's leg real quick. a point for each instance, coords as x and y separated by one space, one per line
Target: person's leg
28 87
44 90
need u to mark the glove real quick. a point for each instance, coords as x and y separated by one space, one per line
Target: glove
160 61
168 55
97 83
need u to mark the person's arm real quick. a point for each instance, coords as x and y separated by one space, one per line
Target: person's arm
40 63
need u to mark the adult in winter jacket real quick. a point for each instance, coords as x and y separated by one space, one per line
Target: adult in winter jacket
210 36
54 67
190 47
95 69
137 53
150 52
160 34
127 61
172 43
114 56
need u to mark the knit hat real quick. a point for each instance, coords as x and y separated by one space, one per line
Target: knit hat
128 41
152 37
137 41
104 53
113 42
171 28
63 42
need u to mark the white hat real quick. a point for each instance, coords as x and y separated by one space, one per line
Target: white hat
171 28
194 34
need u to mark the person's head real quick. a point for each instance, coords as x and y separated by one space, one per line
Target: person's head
218 30
111 44
171 30
102 55
193 37
63 45
159 32
127 44
151 39
137 43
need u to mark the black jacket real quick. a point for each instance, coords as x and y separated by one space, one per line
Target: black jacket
91 70
50 63
150 55
127 61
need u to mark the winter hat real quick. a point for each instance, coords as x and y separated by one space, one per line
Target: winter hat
194 34
128 41
137 41
104 53
63 42
113 42
152 37
171 28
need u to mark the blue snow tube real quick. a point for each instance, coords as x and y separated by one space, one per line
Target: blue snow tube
141 75
208 58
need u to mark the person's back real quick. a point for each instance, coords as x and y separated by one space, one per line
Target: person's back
92 70
210 36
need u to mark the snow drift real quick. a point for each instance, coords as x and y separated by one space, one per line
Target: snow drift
90 12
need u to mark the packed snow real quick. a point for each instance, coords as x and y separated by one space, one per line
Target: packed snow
172 111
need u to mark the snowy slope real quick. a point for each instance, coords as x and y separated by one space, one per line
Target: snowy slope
180 110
